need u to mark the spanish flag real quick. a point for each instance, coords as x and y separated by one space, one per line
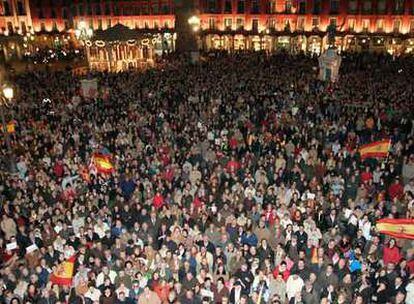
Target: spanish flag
10 127
102 163
377 149
64 273
398 228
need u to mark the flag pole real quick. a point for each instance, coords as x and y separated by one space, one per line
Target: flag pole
260 294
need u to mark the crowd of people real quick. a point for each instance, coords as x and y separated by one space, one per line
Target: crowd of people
236 180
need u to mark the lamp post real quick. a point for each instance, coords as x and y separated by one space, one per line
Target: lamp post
84 33
194 22
5 99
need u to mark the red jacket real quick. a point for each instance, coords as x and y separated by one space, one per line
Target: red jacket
285 274
233 166
395 190
391 255
158 201
366 176
58 169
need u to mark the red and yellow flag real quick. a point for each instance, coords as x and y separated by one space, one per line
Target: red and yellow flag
10 127
102 163
376 149
64 273
398 228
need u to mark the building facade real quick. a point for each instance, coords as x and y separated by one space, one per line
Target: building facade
296 25
376 25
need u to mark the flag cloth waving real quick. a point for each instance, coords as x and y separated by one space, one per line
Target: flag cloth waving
102 163
64 273
398 228
376 149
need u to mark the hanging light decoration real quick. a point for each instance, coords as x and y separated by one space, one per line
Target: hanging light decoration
100 43
131 42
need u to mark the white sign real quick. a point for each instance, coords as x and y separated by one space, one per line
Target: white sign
89 88
11 246
31 248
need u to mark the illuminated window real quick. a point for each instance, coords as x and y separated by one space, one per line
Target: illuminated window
255 25
272 23
228 23
397 25
212 23
287 27
240 23
315 23
23 27
301 24
380 25
365 25
351 24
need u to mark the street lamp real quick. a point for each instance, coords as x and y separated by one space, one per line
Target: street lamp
5 99
194 22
